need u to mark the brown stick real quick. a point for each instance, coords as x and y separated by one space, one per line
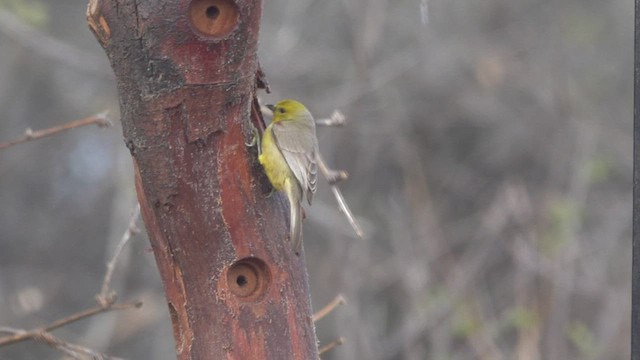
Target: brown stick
337 301
106 303
334 176
22 335
105 297
332 345
75 351
101 119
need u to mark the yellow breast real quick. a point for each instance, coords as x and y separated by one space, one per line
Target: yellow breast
273 162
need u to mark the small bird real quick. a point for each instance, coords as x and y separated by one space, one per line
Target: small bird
287 153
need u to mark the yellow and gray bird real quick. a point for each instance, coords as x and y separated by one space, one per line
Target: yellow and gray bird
288 154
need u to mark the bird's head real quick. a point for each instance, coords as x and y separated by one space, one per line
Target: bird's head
288 110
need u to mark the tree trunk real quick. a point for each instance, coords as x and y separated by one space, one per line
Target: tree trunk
186 77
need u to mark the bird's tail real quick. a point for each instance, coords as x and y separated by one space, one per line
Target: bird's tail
295 216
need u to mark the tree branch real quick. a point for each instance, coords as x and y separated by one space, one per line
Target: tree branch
20 335
101 119
106 303
336 119
332 345
105 297
337 301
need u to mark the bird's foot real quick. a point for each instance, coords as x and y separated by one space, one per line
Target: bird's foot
255 139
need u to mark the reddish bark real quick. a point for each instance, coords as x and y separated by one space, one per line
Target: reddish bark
186 75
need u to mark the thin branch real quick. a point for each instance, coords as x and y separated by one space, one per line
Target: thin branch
22 335
337 301
330 346
106 297
73 350
106 302
336 119
101 119
90 312
346 211
10 330
335 176
332 176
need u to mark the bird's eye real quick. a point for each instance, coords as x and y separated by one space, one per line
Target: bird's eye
281 110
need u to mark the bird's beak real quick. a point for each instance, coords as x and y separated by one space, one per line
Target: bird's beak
271 107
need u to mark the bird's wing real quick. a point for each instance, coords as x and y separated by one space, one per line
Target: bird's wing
297 143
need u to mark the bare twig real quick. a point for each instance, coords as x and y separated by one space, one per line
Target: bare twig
101 119
338 300
106 302
90 312
333 176
346 211
20 335
10 330
336 119
330 346
73 350
108 297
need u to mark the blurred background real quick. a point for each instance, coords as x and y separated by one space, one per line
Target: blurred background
489 151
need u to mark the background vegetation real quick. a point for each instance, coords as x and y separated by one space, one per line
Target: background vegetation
489 151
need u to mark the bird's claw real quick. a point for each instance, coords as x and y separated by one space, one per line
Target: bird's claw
273 191
255 139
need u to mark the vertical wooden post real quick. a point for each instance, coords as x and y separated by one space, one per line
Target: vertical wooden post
186 77
635 275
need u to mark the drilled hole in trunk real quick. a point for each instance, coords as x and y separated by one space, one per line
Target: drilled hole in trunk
248 278
214 18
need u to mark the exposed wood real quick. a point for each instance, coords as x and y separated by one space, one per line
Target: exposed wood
186 74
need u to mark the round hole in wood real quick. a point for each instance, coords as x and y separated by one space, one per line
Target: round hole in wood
212 12
248 278
214 18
